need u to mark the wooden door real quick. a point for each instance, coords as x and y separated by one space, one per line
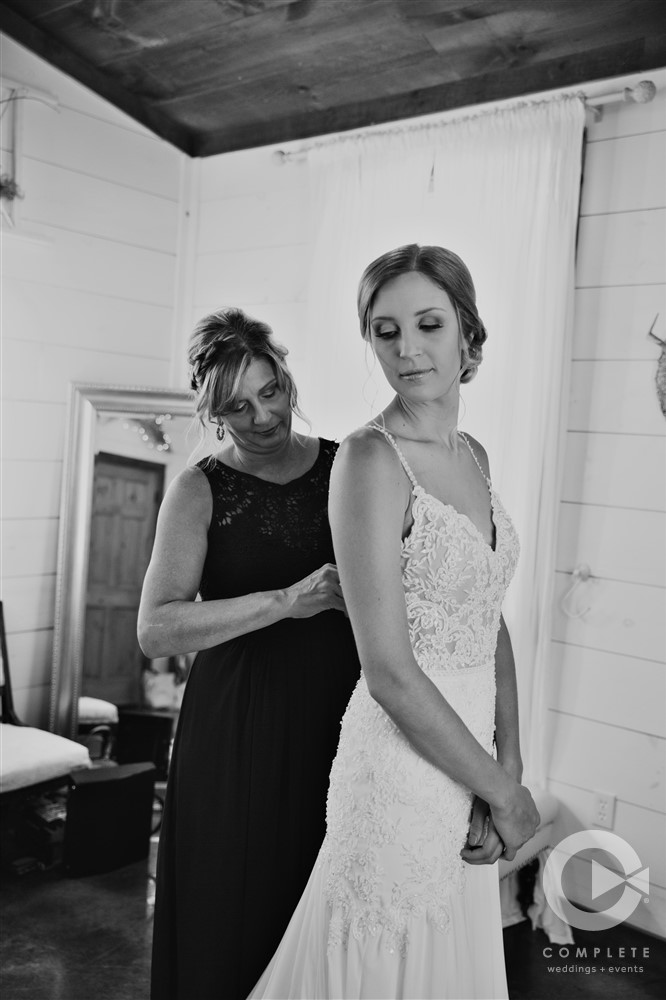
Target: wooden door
126 497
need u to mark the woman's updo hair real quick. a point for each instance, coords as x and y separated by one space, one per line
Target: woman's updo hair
221 349
446 270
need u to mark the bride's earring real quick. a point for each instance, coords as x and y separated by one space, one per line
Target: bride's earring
219 433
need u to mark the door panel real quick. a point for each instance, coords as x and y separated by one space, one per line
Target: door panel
126 499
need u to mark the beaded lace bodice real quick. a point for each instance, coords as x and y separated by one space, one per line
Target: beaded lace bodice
396 823
454 580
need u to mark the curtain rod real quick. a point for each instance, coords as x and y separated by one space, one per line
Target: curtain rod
642 93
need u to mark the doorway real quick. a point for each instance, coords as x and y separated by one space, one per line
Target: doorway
127 494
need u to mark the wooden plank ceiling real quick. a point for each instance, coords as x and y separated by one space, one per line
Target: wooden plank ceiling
216 75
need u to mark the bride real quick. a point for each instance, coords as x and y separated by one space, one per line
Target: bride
425 793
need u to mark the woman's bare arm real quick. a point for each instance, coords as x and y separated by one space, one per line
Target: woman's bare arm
369 494
172 621
484 846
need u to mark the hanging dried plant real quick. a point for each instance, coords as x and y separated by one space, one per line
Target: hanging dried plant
660 375
9 189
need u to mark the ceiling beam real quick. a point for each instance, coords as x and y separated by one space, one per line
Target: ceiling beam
636 56
53 52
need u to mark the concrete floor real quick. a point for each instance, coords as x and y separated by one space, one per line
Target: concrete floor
77 938
530 979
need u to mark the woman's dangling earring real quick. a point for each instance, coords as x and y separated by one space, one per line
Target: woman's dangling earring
219 433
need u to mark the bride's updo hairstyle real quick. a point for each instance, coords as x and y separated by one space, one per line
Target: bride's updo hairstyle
221 349
446 270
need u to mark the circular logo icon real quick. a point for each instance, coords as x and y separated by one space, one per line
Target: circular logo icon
634 880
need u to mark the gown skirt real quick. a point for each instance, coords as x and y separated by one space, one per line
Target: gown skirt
469 959
398 917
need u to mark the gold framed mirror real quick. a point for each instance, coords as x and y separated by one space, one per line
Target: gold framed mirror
141 425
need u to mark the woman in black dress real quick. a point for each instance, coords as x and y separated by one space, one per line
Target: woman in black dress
247 530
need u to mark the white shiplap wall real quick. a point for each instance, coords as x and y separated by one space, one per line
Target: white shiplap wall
251 241
88 295
608 698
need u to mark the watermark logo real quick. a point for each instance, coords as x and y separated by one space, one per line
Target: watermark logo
634 880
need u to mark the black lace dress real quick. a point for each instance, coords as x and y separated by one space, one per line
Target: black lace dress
245 808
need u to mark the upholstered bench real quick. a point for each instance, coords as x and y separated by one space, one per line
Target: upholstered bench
97 727
97 712
535 850
30 757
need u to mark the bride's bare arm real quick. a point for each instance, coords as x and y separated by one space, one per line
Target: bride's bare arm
172 621
368 498
483 846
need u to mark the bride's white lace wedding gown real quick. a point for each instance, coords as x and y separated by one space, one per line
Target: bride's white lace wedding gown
391 910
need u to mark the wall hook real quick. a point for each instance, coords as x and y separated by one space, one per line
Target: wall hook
581 574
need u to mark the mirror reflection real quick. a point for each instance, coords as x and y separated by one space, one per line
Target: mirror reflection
136 457
124 447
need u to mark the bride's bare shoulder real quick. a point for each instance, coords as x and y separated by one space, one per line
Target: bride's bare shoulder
367 443
367 458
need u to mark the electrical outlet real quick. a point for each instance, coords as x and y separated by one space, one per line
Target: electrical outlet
604 810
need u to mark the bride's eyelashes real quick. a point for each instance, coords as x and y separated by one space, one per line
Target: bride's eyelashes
382 334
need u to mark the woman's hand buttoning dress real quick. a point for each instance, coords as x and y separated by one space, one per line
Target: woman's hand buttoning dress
246 530
425 793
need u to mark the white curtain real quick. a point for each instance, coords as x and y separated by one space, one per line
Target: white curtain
501 189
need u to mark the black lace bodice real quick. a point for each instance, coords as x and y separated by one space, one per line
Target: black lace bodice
263 535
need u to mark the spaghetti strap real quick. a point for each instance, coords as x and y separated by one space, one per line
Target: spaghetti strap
464 437
403 461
